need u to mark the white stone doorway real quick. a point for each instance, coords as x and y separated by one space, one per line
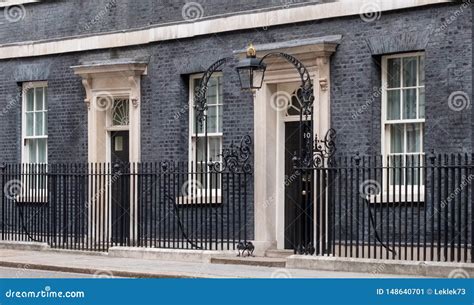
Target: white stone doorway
113 99
272 123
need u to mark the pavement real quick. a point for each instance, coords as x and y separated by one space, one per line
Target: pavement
63 264
18 273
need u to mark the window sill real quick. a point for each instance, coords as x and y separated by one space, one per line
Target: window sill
198 200
397 197
31 200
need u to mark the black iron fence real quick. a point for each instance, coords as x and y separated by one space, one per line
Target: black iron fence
399 207
96 206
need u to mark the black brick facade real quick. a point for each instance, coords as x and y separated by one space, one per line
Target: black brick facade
60 18
355 75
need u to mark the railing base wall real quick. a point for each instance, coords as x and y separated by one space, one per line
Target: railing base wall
203 256
24 245
379 267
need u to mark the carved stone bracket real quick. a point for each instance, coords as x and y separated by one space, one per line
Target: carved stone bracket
323 83
135 102
87 83
134 85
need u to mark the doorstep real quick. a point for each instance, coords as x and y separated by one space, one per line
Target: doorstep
277 253
380 266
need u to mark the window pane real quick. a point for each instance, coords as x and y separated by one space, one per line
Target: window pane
39 99
196 83
214 182
214 148
396 170
121 112
220 90
393 105
212 91
421 63
199 178
409 71
29 124
421 103
396 138
42 151
409 104
219 108
414 171
295 107
413 138
193 92
30 100
45 104
201 150
212 119
38 123
393 73
32 150
197 124
45 123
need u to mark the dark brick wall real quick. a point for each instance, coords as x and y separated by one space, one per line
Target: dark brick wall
355 75
356 79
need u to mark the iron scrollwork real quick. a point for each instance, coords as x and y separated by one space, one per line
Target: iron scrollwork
236 158
243 247
314 152
316 155
309 249
305 94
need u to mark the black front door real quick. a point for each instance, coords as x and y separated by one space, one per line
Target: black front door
120 187
292 183
298 194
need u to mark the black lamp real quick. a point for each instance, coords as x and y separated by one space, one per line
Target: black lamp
248 67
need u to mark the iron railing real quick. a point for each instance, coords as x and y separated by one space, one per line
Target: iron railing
415 208
407 208
96 206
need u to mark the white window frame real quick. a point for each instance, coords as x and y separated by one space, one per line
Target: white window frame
402 191
37 195
24 151
212 195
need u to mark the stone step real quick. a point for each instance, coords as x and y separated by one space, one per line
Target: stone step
274 253
250 261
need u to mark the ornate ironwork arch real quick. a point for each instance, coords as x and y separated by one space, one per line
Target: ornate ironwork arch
200 92
305 95
235 158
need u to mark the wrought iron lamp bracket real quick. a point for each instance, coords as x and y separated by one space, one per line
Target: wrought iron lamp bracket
200 93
